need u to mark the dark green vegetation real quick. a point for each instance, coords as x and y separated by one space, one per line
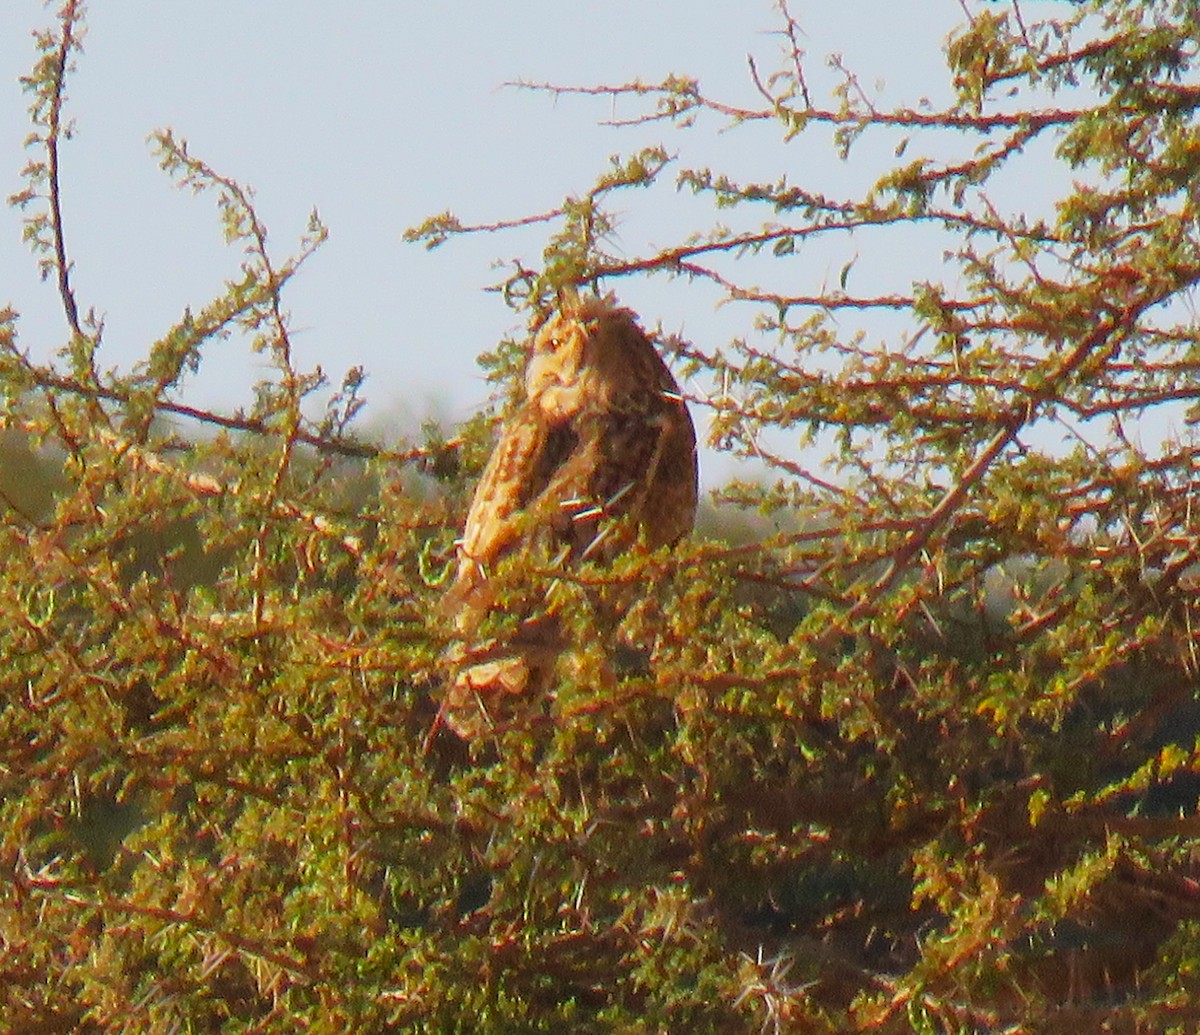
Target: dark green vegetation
925 760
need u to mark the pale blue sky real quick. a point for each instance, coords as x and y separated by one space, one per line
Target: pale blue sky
379 114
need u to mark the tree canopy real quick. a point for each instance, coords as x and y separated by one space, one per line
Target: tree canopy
916 749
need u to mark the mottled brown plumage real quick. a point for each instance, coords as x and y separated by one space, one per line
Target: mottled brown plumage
600 451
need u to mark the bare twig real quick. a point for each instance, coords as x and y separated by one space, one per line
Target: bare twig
67 43
792 31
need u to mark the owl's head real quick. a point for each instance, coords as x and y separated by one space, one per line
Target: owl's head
585 356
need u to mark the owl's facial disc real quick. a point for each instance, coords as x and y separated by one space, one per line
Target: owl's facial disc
553 371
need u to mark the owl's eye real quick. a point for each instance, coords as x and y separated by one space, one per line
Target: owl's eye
554 344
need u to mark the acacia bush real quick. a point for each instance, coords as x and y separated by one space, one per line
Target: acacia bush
924 758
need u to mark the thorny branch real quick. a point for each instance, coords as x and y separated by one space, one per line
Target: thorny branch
67 43
678 97
51 381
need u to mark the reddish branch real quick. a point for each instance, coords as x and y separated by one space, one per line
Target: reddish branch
903 118
51 381
67 43
1105 336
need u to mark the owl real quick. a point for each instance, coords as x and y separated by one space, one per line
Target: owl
599 452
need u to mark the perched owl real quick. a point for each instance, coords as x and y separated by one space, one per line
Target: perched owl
601 450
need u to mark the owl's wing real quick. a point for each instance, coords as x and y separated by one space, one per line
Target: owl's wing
638 461
673 477
567 485
525 459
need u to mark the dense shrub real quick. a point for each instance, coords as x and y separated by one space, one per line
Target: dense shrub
923 757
